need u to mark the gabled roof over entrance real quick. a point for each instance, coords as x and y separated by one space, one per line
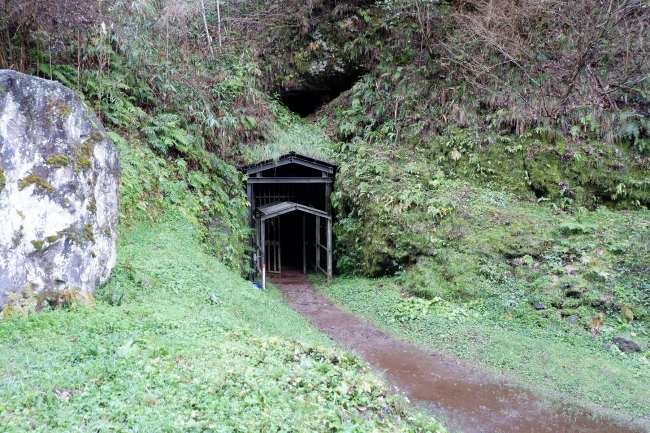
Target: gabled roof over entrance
291 158
281 207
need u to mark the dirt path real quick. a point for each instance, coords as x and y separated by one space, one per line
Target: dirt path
463 394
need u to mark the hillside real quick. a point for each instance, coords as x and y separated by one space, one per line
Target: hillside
156 353
493 160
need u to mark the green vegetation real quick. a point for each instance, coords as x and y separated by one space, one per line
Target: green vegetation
62 110
20 303
306 139
554 358
214 196
3 179
479 260
490 159
58 161
88 233
461 241
157 353
32 179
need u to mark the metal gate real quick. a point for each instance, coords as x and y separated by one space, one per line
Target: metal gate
267 221
272 250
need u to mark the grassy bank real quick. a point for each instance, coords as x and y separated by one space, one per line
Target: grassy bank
154 353
554 358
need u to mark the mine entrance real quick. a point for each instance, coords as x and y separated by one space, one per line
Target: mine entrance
308 99
296 246
291 214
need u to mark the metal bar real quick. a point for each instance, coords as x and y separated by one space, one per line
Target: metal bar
304 244
274 230
317 241
251 224
277 180
299 207
328 193
263 244
279 248
329 251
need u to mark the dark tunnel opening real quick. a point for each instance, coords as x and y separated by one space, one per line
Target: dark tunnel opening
292 248
308 100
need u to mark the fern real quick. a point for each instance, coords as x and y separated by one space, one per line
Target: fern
630 130
164 133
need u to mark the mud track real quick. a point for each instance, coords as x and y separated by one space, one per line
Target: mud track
468 398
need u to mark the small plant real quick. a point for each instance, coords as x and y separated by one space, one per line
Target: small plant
20 303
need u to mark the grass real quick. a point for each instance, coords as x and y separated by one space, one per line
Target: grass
554 358
302 138
155 354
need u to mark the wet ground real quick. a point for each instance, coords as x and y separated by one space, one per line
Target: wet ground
466 396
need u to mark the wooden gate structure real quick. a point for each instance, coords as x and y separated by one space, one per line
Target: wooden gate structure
291 213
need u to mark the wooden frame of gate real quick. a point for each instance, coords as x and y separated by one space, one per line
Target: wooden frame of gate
277 209
272 245
294 180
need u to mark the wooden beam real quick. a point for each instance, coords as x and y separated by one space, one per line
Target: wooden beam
290 160
290 180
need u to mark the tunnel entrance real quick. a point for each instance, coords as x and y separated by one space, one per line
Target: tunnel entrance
308 99
292 242
291 214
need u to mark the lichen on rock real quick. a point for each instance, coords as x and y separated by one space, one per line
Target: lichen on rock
58 161
58 190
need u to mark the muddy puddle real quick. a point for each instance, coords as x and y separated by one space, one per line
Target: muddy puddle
466 397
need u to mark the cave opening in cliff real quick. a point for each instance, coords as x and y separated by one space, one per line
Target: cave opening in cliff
308 99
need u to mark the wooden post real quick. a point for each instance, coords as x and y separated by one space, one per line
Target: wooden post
329 250
257 252
263 245
251 224
304 244
317 243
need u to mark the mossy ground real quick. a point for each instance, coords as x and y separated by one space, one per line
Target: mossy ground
557 360
470 262
155 354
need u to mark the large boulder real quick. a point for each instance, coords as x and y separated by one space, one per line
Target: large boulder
58 193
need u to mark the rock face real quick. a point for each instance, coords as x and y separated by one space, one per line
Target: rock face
58 191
